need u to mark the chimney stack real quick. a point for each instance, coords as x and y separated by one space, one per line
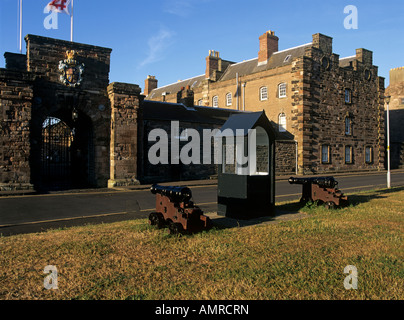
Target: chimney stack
149 84
268 45
186 96
213 64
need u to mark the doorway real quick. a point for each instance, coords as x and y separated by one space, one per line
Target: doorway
66 155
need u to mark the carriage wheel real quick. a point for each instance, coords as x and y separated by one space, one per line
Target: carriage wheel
156 219
174 228
330 205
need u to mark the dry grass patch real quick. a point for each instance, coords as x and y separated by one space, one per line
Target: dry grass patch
301 259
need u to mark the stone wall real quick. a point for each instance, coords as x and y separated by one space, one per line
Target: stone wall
125 100
16 93
16 61
285 157
324 121
150 173
54 99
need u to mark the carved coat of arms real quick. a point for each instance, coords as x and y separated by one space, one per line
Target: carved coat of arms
71 70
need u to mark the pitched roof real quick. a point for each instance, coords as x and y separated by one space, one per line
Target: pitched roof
243 68
166 111
278 59
346 62
156 110
240 122
175 87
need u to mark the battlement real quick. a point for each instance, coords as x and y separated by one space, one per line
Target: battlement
397 75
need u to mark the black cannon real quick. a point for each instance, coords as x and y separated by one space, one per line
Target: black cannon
175 209
322 189
177 194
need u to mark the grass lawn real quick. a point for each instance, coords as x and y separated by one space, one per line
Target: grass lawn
300 259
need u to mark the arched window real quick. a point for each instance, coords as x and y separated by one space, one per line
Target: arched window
229 99
282 122
215 102
263 93
282 90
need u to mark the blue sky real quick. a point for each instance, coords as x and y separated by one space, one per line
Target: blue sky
171 38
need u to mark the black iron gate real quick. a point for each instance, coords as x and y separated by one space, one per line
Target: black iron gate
56 154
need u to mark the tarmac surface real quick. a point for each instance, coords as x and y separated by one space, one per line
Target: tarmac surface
29 211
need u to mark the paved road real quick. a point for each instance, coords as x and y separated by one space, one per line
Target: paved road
33 213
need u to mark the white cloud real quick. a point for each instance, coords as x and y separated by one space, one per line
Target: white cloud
158 44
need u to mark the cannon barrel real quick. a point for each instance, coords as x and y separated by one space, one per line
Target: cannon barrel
179 194
324 182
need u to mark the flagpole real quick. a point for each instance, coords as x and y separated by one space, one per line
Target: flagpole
20 26
71 24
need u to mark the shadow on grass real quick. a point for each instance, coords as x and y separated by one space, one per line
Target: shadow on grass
366 196
293 210
353 199
282 214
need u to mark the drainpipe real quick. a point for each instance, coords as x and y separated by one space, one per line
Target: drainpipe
237 90
297 167
244 95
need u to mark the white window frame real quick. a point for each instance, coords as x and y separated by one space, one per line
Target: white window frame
215 102
263 93
282 90
229 99
282 122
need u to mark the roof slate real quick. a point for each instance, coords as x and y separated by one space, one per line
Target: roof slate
155 110
241 68
175 87
276 60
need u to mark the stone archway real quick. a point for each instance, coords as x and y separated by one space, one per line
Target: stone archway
65 152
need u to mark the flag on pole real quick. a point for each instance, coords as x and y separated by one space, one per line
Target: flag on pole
62 6
59 6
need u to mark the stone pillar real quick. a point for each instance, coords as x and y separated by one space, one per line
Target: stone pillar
16 95
322 42
125 100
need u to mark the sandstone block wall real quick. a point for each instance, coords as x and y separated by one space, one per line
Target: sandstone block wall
125 100
16 93
54 99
